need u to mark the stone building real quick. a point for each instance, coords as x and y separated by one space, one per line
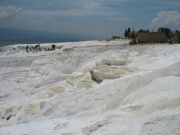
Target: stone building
177 37
151 37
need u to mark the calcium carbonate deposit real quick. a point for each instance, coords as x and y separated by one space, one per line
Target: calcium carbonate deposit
90 88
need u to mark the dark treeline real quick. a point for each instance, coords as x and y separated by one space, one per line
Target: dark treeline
173 36
38 48
128 33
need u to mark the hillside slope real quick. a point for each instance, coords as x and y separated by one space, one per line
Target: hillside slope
55 92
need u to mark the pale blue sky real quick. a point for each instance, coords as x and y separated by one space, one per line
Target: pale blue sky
91 17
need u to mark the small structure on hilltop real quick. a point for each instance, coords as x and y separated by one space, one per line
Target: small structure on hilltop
177 37
167 31
150 37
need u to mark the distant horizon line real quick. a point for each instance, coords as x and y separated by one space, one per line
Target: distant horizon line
18 36
32 30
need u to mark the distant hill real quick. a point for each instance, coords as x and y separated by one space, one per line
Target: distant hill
13 36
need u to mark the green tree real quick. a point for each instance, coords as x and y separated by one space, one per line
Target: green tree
126 33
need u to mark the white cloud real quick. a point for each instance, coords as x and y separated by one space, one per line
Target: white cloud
68 13
6 11
84 8
94 5
88 8
169 3
119 18
166 18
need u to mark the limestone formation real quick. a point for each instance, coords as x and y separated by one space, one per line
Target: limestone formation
50 92
101 73
115 61
80 81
